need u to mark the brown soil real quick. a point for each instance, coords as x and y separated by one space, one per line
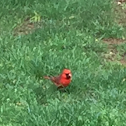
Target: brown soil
112 43
26 27
120 12
113 54
123 61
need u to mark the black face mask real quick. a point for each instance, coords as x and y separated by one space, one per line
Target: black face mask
68 76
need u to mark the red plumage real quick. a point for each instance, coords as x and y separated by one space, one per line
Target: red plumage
62 80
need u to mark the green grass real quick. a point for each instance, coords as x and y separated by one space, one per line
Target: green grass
69 37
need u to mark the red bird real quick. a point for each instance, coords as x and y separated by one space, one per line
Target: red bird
63 80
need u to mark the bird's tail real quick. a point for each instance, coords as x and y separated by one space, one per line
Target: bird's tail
47 77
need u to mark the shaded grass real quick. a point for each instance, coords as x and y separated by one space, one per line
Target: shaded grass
70 37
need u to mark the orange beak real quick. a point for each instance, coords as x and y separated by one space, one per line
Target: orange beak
70 76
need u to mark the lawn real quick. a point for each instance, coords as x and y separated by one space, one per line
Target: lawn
42 37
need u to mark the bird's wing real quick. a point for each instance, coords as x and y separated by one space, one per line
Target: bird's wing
55 80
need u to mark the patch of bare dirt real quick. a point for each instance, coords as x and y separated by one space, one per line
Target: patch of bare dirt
26 27
120 1
123 61
113 54
120 12
111 41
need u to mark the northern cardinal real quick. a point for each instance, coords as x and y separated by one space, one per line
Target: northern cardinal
62 80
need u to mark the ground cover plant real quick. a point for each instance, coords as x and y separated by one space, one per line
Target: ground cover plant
40 38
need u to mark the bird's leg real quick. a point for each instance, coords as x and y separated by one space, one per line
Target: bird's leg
60 87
